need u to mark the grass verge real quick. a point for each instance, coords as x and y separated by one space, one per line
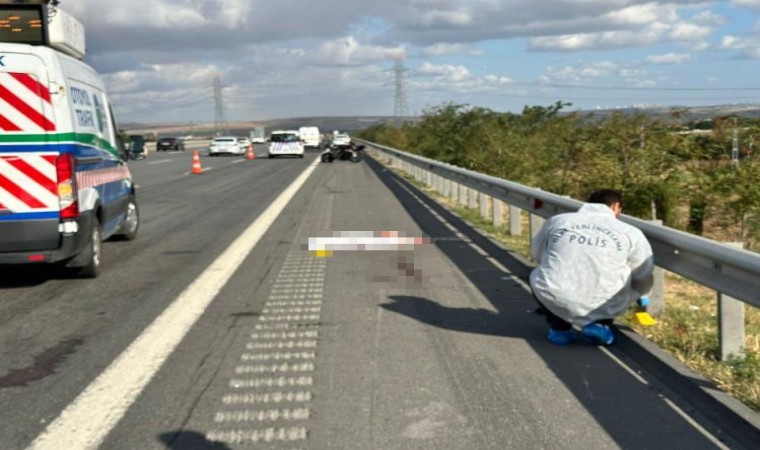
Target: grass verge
687 328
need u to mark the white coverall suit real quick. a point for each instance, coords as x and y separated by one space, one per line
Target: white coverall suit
591 265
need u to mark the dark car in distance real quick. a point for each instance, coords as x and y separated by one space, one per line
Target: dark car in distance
170 143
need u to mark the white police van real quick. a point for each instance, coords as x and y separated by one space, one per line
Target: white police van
285 142
64 183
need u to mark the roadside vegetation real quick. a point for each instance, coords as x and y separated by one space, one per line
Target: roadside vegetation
666 170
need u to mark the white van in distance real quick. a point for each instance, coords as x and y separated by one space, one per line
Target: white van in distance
310 136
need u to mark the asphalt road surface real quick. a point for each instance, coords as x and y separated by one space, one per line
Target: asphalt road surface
217 329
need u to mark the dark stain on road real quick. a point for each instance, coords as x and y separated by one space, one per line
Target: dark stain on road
44 364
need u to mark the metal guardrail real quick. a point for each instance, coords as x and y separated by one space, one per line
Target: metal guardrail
725 269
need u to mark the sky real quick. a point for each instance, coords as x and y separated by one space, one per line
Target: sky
302 58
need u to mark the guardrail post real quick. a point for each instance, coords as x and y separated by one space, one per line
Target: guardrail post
730 323
657 296
484 206
515 221
498 213
454 191
472 198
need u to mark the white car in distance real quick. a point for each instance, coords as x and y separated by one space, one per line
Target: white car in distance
226 145
341 139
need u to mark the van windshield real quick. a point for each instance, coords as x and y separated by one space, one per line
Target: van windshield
284 138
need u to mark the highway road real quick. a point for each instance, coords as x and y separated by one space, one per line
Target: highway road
216 329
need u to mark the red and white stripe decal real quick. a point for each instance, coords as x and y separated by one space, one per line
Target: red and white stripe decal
25 104
28 182
92 178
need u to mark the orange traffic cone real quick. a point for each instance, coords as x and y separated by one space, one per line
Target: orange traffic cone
250 154
197 162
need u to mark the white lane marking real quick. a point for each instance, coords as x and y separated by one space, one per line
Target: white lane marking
295 303
237 161
696 425
91 416
275 368
514 278
281 345
296 297
269 415
284 326
311 284
298 291
267 435
279 382
312 277
285 356
286 335
667 401
293 310
620 363
205 169
479 250
289 318
270 397
159 161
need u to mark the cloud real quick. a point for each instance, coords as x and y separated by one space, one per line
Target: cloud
347 50
445 71
443 48
668 58
755 4
745 47
581 72
637 25
339 54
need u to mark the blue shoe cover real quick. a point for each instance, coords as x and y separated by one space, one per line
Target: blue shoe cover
598 333
560 337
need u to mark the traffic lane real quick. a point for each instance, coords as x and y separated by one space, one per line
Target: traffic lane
59 333
409 354
182 403
610 398
165 168
408 365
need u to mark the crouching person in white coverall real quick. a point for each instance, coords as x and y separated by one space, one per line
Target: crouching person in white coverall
592 266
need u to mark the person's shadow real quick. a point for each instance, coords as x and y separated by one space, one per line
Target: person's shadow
190 440
467 320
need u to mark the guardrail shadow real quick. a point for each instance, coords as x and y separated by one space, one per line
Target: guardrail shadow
630 411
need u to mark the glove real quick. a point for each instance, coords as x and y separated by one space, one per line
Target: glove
643 301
